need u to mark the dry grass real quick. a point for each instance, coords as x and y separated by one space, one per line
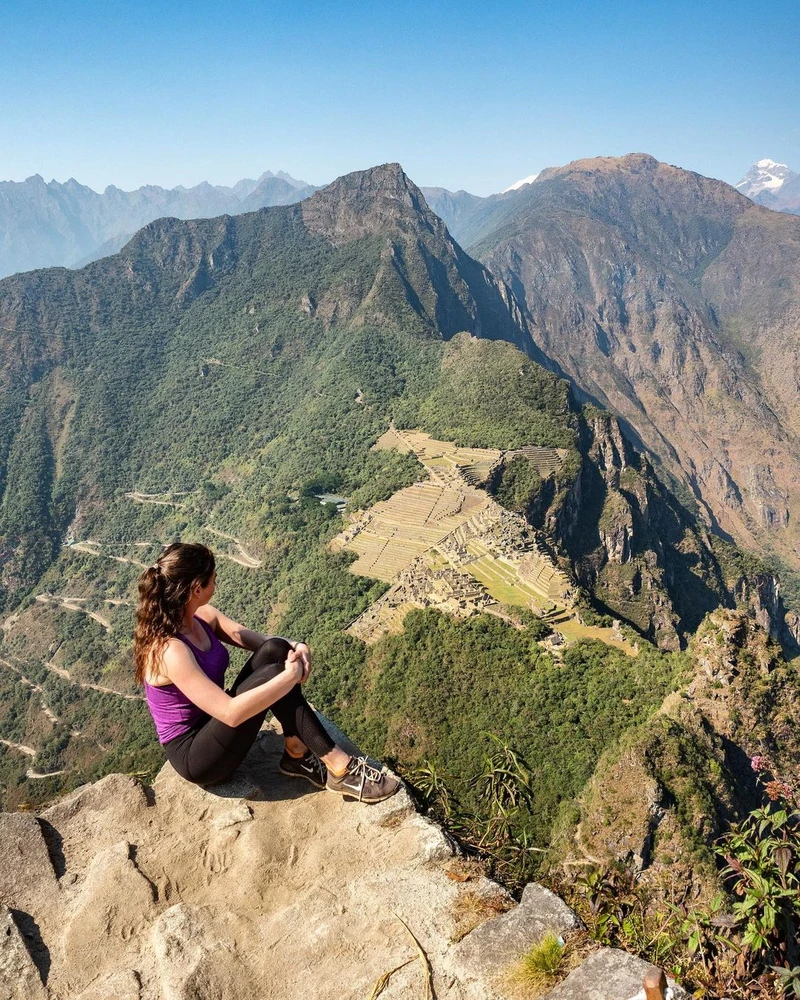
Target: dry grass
466 869
473 908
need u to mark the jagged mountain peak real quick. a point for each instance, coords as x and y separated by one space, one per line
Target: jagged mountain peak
766 177
367 202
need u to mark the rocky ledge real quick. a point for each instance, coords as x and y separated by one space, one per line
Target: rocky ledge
263 887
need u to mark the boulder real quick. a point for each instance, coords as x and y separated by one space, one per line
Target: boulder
19 977
27 878
492 949
608 974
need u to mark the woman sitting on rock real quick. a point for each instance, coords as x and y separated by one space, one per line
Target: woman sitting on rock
206 731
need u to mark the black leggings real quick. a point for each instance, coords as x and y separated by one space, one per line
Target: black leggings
211 751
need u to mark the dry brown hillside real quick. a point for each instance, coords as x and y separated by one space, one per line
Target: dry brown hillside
673 300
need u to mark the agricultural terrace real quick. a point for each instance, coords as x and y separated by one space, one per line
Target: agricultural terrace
445 543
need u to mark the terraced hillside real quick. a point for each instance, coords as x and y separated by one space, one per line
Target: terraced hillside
445 543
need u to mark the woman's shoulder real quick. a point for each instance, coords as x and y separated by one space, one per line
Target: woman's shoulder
209 614
174 653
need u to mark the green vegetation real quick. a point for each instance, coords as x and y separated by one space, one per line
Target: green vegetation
491 396
205 385
541 963
519 485
741 943
228 370
442 693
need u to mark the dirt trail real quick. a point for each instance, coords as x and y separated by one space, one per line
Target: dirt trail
92 549
588 858
21 747
67 676
244 558
51 715
30 752
73 604
139 497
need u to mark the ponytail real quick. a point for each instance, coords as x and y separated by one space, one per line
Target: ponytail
164 592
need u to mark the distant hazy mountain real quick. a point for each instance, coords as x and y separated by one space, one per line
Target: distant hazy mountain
466 214
773 185
458 209
42 225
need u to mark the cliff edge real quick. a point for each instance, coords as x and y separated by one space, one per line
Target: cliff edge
263 887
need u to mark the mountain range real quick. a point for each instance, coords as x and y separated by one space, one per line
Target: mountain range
616 344
671 299
52 224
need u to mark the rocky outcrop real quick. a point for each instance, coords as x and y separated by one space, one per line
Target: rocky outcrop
631 543
656 801
420 263
609 972
761 593
253 888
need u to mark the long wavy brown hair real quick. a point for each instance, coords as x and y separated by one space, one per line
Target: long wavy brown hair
164 591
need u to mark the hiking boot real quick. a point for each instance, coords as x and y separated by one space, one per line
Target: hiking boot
364 782
309 766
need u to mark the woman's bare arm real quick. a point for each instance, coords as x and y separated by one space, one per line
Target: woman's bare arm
230 631
235 634
180 666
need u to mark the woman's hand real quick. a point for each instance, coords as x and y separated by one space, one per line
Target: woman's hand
302 650
295 666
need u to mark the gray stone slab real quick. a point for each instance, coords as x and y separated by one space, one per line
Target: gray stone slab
491 949
609 974
27 878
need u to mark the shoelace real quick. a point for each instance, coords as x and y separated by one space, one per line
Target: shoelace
359 767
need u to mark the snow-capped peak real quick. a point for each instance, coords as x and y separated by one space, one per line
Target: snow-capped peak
765 175
518 184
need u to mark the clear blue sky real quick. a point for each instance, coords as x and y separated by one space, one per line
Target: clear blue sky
464 96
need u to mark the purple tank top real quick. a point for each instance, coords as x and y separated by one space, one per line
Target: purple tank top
172 711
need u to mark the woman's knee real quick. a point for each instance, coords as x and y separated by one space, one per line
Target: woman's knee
259 674
274 650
